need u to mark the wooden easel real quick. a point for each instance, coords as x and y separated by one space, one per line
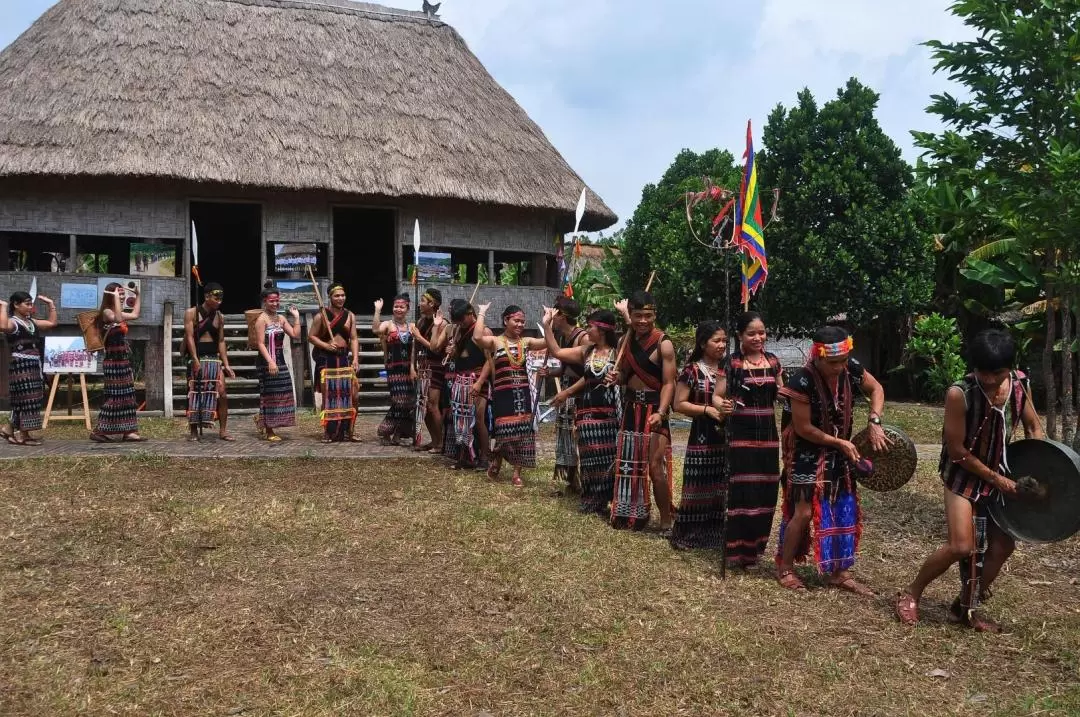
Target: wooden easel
85 416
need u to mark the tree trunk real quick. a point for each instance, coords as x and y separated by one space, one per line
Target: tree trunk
1048 369
1068 423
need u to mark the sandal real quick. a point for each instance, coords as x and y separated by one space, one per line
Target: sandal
13 440
851 585
273 439
101 438
907 609
354 439
6 434
516 481
193 438
133 437
226 437
978 623
789 580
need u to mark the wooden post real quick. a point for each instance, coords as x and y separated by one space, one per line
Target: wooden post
167 330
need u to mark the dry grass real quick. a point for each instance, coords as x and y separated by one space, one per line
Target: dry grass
155 586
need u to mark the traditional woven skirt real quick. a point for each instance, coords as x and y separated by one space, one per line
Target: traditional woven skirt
513 434
203 391
463 426
277 408
597 433
423 385
27 390
754 484
339 413
399 420
631 503
438 374
699 522
566 453
117 414
836 525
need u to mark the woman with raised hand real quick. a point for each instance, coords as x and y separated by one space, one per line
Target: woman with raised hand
514 436
596 415
397 337
117 415
25 379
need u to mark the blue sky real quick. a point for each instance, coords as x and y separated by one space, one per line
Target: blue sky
620 86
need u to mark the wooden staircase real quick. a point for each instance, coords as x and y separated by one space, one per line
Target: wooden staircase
244 389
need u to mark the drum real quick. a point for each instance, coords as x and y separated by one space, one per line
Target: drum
1046 506
892 468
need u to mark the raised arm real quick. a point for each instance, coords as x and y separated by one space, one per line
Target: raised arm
376 320
482 335
293 328
572 354
51 322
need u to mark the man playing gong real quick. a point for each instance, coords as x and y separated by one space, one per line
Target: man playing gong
982 413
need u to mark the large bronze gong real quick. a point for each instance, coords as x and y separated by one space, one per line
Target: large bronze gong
1046 507
893 467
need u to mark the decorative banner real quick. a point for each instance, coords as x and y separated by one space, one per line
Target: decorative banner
68 354
295 257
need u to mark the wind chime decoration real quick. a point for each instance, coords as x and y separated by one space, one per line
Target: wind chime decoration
743 211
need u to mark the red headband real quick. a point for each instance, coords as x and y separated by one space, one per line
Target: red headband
601 325
516 313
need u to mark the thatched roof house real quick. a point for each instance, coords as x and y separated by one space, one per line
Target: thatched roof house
330 95
268 122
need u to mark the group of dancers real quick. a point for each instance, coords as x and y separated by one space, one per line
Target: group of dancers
473 391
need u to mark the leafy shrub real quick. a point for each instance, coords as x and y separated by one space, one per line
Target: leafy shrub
932 356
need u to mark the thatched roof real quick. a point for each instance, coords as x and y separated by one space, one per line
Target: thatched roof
289 94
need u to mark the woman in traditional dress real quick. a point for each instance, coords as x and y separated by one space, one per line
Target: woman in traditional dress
596 413
699 521
277 406
25 380
468 370
514 435
821 505
337 363
117 414
396 336
753 378
429 372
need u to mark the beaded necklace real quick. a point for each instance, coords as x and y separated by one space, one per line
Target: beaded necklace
598 366
520 360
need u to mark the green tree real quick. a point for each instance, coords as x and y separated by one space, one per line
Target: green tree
690 277
1016 137
849 239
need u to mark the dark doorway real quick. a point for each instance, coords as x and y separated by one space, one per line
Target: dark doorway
364 256
230 251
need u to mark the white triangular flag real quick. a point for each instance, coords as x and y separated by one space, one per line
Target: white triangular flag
580 210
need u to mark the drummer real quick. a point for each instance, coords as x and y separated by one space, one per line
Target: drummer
982 413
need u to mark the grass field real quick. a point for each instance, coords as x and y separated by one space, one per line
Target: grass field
153 586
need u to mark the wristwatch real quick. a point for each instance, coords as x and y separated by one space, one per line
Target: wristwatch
875 419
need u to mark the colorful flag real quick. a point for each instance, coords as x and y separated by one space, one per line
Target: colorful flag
749 234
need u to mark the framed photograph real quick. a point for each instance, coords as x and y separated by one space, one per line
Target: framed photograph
434 266
289 258
300 294
68 354
152 259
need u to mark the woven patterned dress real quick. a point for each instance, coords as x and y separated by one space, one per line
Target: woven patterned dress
27 386
513 434
597 417
566 452
117 414
699 522
754 457
336 381
277 407
399 421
